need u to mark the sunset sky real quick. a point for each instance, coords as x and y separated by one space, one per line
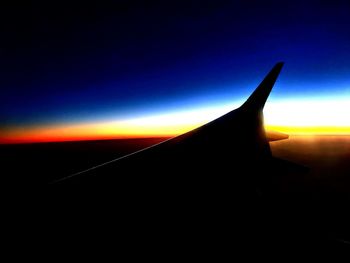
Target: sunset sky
75 72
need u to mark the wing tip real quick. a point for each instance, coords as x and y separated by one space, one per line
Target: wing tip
279 65
257 99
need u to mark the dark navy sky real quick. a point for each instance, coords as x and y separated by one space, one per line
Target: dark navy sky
71 63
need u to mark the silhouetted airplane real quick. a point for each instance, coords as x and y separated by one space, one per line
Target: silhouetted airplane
235 142
215 187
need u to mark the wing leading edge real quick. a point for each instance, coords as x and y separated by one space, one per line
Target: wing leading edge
237 137
204 187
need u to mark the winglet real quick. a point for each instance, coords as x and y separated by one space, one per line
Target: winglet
257 100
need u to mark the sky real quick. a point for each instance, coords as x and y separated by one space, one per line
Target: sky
154 68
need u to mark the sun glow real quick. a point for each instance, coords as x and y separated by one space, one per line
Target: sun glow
311 113
309 117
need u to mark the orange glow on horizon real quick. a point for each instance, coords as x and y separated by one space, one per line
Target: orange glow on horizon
120 130
79 132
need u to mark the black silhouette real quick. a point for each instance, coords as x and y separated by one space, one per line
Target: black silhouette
213 189
234 143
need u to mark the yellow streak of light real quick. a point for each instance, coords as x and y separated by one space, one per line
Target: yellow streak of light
310 130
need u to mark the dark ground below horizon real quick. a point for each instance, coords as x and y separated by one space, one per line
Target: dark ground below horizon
42 163
328 158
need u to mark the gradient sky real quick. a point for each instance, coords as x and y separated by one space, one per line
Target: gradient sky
72 72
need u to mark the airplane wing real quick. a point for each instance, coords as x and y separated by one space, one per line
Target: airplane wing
235 141
216 183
